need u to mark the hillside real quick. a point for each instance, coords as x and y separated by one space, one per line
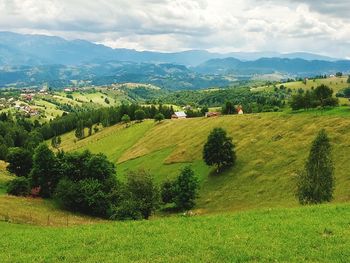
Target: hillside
308 234
270 148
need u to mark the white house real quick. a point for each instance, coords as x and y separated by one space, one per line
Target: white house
179 115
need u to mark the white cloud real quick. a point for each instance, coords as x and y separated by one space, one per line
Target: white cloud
169 25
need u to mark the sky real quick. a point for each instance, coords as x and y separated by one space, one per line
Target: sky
321 27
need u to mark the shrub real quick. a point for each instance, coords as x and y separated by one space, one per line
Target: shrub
19 186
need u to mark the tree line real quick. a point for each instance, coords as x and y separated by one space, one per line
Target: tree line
18 131
321 96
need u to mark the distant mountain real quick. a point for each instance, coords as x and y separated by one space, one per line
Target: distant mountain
296 66
34 50
166 76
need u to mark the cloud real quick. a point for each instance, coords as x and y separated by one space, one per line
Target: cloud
170 25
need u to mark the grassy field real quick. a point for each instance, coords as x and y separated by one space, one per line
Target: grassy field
308 234
271 148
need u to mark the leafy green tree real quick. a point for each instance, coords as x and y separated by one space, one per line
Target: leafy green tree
219 149
126 119
186 189
348 80
204 110
56 142
20 161
89 126
140 115
45 172
168 192
229 108
339 74
159 117
142 192
322 93
316 182
79 132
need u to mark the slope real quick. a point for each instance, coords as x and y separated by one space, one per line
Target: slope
271 148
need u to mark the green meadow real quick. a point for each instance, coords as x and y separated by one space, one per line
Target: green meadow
307 234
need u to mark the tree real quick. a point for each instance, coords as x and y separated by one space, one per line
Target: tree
45 172
316 182
204 110
142 192
228 108
89 126
159 117
56 142
219 149
323 93
126 119
140 115
186 189
168 192
20 161
79 132
348 80
339 74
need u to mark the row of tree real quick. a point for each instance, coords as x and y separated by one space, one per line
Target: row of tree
321 96
86 183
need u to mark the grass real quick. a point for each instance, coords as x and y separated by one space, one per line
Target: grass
271 148
307 234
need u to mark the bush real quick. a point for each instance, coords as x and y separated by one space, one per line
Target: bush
86 196
126 210
19 186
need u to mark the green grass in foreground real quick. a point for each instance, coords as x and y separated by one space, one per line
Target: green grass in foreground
308 234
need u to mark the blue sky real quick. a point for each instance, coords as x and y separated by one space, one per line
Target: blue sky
172 25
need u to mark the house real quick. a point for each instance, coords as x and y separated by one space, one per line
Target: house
212 114
239 110
67 90
179 115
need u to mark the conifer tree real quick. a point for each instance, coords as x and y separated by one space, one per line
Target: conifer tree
316 182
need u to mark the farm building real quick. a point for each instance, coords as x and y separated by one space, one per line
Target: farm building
239 110
179 115
212 114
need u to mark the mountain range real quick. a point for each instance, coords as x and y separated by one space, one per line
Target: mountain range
34 50
34 60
